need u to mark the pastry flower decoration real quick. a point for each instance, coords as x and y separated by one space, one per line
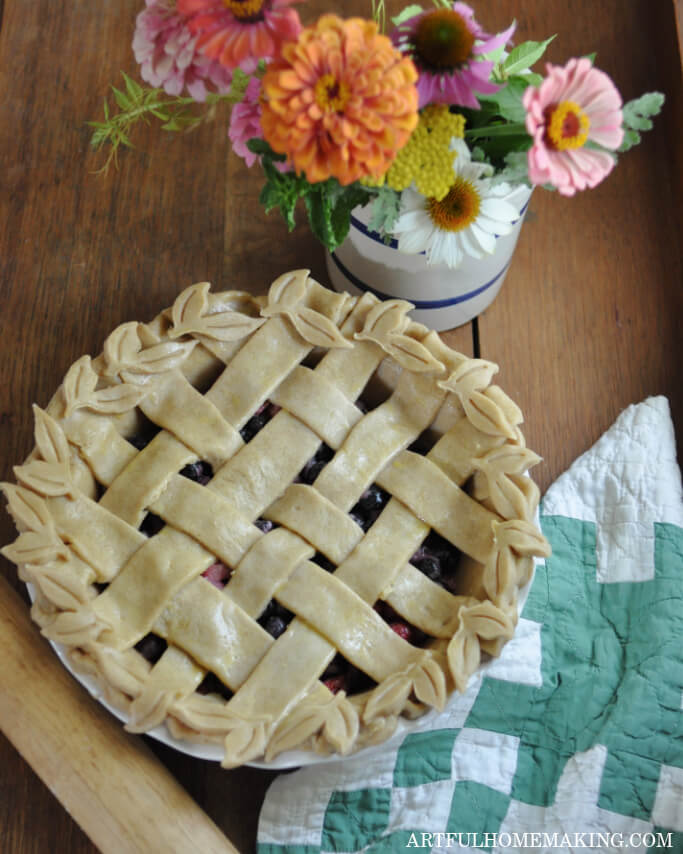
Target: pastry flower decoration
427 118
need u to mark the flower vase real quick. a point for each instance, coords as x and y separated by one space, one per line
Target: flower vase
443 297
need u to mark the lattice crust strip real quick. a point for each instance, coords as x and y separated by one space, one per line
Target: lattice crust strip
182 451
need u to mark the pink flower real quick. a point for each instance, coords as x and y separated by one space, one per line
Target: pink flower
245 122
572 106
167 53
237 33
446 46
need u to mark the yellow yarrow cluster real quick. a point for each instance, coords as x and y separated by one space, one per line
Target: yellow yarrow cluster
426 159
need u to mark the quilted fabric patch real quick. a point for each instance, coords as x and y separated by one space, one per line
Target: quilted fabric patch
573 738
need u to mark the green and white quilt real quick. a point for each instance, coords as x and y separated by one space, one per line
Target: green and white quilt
573 739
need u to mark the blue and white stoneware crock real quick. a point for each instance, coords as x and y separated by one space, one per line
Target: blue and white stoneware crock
443 298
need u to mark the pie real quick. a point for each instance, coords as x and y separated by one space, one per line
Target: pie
277 522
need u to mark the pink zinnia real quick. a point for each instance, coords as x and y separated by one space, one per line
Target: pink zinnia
446 45
167 53
573 105
238 33
245 122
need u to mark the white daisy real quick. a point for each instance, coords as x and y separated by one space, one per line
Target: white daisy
465 222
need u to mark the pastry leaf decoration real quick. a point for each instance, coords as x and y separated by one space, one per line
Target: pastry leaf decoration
79 384
27 508
522 536
55 584
469 382
424 678
483 620
245 740
386 324
501 468
40 543
190 316
288 289
73 628
49 476
79 392
50 438
123 351
335 716
472 375
500 575
317 329
286 296
487 620
464 655
35 547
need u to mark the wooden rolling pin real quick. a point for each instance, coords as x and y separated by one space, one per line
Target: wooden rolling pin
110 782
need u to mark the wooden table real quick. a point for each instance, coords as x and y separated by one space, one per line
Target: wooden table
587 322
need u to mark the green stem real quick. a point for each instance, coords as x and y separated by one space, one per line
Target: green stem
510 129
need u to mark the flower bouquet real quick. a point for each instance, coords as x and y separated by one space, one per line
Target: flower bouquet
426 119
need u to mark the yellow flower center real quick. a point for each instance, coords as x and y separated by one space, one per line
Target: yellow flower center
443 39
566 126
331 94
458 209
245 10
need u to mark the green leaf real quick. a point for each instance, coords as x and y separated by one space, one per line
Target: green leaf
122 101
636 117
133 88
386 205
260 146
524 56
508 99
515 170
637 112
406 13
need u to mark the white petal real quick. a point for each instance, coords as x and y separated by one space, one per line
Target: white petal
486 241
414 241
469 245
499 210
493 226
408 221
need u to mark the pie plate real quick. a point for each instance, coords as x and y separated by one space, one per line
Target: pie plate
276 530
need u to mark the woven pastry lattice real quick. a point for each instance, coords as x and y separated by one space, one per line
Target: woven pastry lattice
300 360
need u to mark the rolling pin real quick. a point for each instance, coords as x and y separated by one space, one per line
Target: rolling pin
124 799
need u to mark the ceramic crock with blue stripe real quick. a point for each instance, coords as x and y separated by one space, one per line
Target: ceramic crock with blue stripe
443 298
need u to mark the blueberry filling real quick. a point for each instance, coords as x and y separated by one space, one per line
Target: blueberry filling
151 647
259 420
265 525
437 559
275 618
200 472
145 434
151 524
211 684
323 562
316 464
369 506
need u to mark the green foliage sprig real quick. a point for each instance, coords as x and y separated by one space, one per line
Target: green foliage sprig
328 204
136 103
637 117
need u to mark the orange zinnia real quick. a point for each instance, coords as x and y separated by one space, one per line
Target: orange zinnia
340 101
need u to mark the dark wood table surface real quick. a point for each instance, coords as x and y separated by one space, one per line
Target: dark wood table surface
588 321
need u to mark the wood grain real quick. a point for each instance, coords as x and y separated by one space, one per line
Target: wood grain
585 324
111 784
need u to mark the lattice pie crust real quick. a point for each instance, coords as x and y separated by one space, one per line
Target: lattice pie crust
199 372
